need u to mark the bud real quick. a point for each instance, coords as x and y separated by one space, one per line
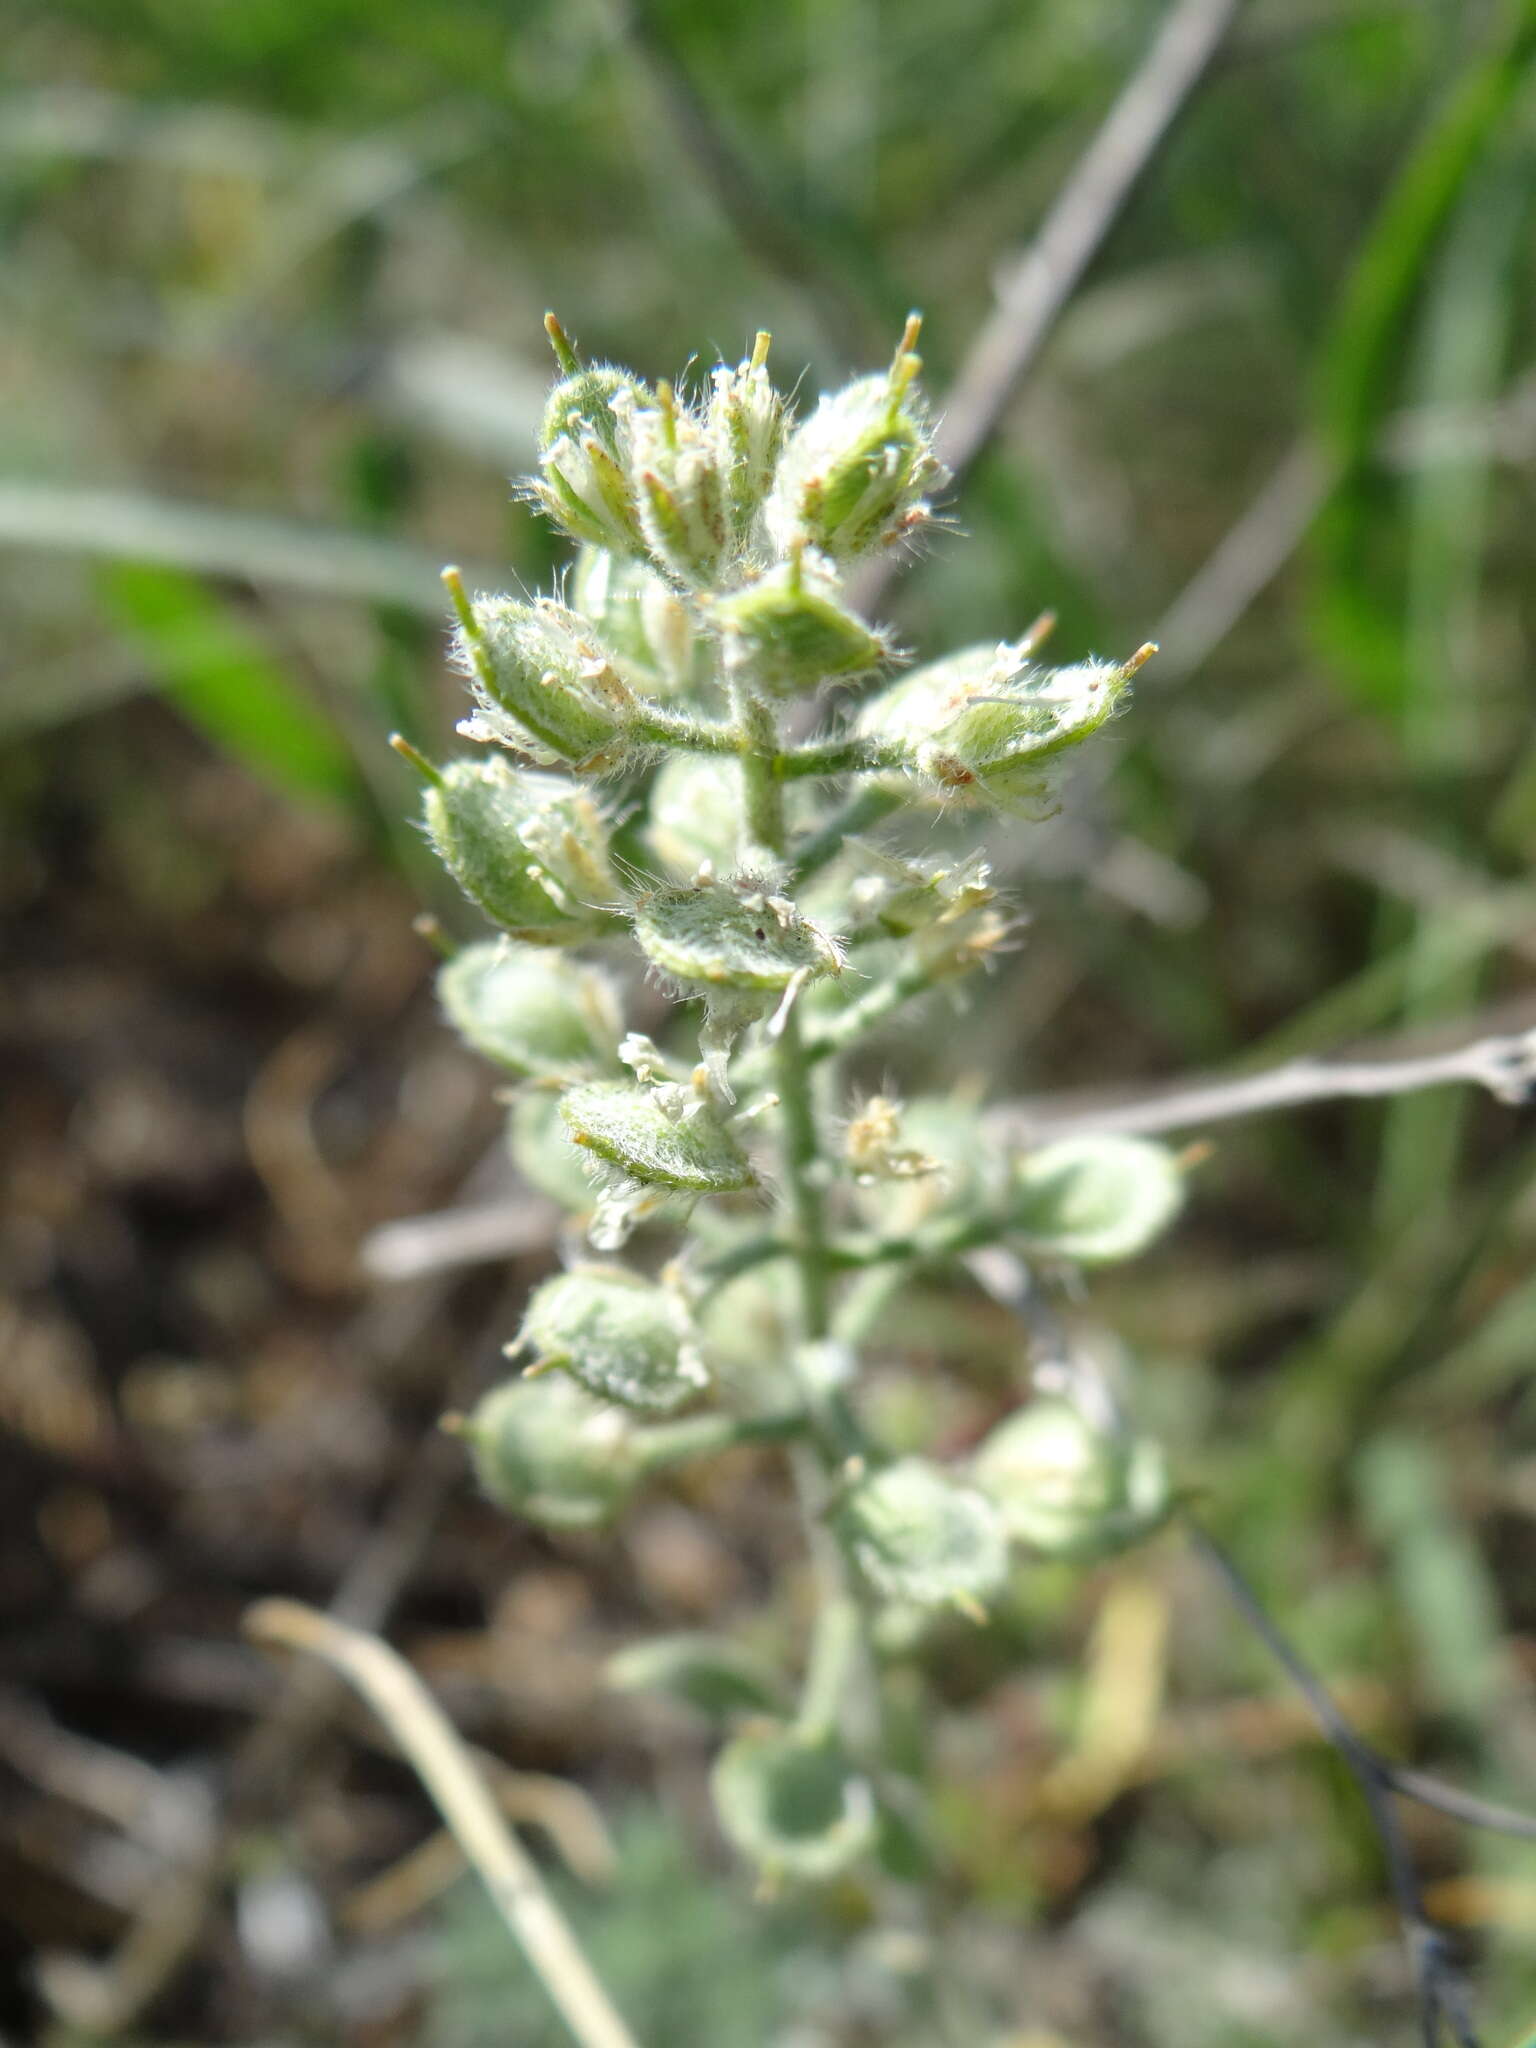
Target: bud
855 474
619 1336
746 421
679 490
546 1450
531 850
737 946
543 683
536 1014
583 487
790 634
794 1806
542 1153
968 1171
1067 1489
644 621
919 1538
986 726
875 1145
644 1145
1096 1199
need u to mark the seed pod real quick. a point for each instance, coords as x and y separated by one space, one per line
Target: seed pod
680 490
535 1014
621 1337
790 634
746 424
1067 1489
546 1450
531 850
920 1538
646 624
543 683
855 475
1096 1199
985 726
583 486
795 1807
735 945
643 1145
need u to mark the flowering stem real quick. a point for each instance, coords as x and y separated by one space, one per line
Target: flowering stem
706 1436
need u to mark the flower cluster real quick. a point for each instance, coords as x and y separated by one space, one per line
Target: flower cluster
643 790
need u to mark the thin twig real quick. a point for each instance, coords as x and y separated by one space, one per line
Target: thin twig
1436 1979
762 226
437 1754
1036 288
1505 1066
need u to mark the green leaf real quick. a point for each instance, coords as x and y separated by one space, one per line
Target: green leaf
223 680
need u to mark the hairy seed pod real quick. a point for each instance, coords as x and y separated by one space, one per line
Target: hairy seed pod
548 1451
693 814
619 1336
583 484
536 1014
856 474
544 684
790 633
987 727
530 850
1068 1489
738 946
645 1145
920 1538
1096 1199
746 421
794 1806
680 491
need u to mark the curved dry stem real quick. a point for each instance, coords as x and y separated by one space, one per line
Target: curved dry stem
435 1751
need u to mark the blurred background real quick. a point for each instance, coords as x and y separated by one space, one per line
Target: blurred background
270 351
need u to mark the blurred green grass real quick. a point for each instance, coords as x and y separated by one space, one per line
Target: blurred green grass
271 295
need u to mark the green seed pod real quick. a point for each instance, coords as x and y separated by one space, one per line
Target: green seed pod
987 727
746 423
544 684
536 1014
1096 1199
794 1807
680 491
531 850
738 947
855 475
547 1451
645 622
709 1673
919 1538
1067 1489
583 487
543 1154
643 1145
619 1336
790 634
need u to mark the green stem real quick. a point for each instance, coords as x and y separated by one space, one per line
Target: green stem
655 726
910 981
706 1436
836 1650
762 797
851 755
803 1179
865 808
